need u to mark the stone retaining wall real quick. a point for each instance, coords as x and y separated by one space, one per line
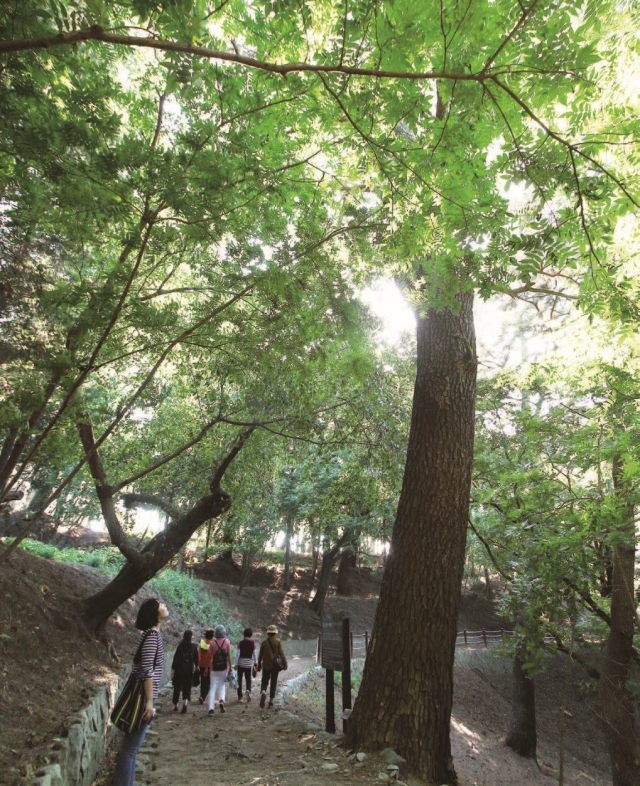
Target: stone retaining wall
76 757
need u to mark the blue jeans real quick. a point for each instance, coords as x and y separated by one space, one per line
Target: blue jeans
126 767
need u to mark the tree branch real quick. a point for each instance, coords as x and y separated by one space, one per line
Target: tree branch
169 457
132 500
578 658
97 33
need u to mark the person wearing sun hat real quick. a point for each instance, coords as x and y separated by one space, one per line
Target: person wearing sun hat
271 660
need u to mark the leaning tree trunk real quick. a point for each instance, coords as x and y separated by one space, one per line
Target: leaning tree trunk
405 698
521 734
97 609
329 558
617 703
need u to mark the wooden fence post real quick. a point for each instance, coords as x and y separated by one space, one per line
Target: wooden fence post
366 642
330 725
347 649
484 637
465 637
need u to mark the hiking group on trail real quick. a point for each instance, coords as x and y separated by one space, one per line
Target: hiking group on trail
214 667
208 665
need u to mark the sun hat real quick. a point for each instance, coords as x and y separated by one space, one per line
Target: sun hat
272 629
221 632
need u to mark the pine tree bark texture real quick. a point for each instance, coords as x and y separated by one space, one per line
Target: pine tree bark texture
521 733
615 697
406 694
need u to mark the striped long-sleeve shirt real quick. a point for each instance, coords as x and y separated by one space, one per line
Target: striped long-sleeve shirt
151 659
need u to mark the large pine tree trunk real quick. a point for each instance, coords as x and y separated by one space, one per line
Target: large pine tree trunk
617 704
521 734
407 688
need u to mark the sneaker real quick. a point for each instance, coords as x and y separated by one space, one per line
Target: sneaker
211 712
175 709
184 709
263 700
240 699
270 705
247 696
222 709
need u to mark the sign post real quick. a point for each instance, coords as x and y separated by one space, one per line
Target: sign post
346 674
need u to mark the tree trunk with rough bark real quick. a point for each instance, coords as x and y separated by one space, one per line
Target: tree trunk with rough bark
521 733
617 702
405 698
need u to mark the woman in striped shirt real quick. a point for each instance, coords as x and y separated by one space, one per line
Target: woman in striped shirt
147 665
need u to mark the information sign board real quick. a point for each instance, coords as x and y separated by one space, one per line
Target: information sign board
332 645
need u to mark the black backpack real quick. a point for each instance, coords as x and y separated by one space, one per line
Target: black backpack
185 658
220 659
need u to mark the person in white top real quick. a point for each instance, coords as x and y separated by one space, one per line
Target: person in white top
246 661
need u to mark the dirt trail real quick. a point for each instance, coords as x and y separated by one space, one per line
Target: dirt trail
246 745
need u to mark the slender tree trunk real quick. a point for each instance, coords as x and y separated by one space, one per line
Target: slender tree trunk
326 569
521 734
206 545
7 446
316 554
405 699
487 582
228 538
181 558
287 560
247 564
617 703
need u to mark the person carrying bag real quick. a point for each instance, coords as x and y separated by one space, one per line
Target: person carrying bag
272 661
133 710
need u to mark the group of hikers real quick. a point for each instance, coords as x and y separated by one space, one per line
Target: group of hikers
210 665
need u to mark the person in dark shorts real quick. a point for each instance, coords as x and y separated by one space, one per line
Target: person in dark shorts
271 660
246 660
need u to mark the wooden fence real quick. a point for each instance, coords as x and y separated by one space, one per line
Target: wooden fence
470 639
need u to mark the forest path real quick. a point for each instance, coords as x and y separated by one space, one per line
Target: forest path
286 746
245 745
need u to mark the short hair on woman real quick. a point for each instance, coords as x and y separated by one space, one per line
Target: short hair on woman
148 614
248 633
187 635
